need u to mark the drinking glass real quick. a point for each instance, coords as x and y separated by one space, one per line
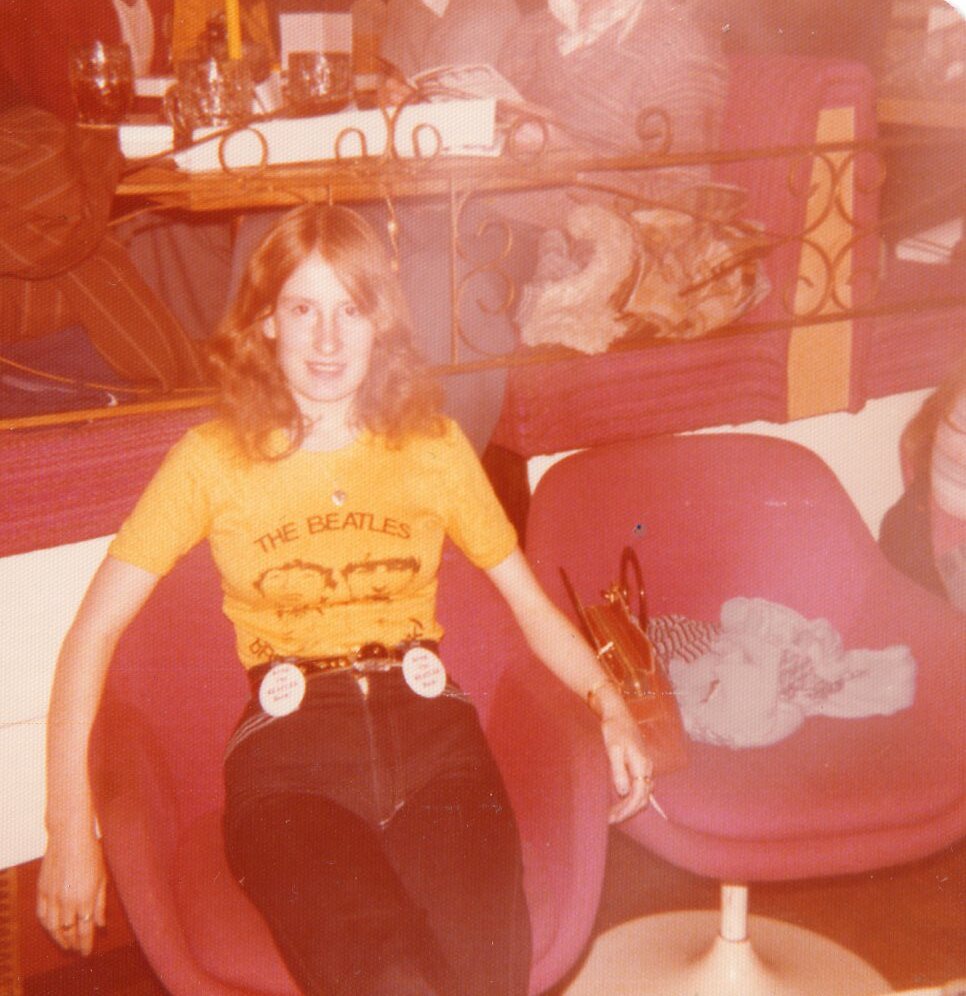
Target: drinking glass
102 82
210 93
319 81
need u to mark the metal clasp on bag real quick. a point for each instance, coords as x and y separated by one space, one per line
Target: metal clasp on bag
629 559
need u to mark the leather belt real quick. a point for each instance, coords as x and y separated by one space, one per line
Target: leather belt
369 657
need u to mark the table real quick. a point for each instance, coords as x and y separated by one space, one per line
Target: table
366 179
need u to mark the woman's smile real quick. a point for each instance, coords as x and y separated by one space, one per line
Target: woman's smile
323 340
325 368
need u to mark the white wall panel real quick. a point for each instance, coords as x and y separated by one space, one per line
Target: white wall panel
42 590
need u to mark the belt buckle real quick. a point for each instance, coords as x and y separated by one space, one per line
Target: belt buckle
372 657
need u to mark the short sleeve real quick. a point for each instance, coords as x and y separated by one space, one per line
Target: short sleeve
475 519
173 513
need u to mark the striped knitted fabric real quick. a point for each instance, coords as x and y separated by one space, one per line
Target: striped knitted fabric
658 86
57 265
584 21
676 637
665 63
416 39
57 190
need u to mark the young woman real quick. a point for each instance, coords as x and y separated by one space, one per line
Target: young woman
365 817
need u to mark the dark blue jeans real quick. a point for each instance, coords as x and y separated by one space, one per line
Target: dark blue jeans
372 830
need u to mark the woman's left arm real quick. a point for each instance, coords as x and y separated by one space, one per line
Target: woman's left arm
555 640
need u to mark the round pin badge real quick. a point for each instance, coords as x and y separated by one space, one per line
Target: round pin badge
424 672
282 690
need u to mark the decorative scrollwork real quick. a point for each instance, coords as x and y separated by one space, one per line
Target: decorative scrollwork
485 263
808 294
424 128
527 138
819 203
263 152
654 131
833 255
342 140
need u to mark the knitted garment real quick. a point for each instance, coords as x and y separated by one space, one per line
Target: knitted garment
418 37
665 63
769 668
656 85
585 21
58 265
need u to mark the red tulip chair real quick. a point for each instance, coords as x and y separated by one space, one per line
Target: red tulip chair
173 694
717 516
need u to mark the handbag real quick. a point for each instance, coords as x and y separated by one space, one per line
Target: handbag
627 655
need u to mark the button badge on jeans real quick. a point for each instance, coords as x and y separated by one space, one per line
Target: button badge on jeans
424 672
282 690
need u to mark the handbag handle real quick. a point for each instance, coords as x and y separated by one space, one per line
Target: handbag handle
629 560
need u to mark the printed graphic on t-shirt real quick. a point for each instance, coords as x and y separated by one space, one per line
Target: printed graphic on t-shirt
320 554
297 586
295 530
379 580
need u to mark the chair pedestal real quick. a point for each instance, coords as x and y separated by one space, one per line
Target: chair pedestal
686 954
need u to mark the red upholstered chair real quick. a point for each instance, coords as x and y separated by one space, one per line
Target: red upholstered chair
173 694
717 516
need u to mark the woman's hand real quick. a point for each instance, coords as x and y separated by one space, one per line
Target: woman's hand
555 640
631 768
72 890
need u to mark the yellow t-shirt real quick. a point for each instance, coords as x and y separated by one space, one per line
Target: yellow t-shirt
320 553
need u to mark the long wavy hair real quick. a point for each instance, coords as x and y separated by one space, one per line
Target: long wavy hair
398 397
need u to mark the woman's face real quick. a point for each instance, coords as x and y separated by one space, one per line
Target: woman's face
323 342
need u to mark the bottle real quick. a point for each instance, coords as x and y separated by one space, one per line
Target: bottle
368 27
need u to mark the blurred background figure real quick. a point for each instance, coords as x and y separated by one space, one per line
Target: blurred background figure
39 34
59 266
624 75
184 260
613 77
924 533
424 34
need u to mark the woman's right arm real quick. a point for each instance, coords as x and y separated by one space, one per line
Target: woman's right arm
71 888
